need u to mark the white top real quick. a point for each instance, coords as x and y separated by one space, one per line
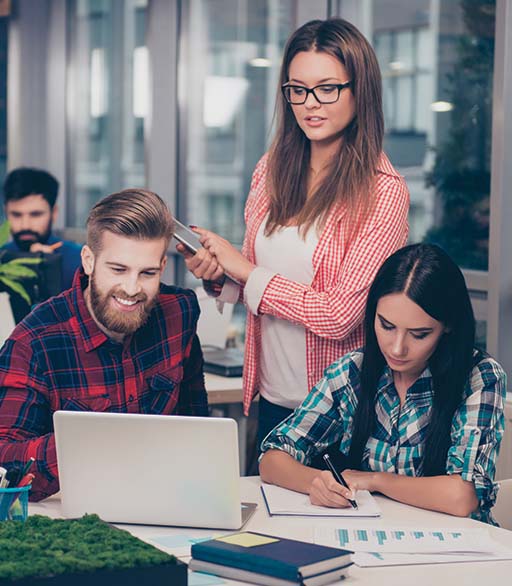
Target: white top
283 371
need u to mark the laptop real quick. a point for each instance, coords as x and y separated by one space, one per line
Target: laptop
150 469
223 361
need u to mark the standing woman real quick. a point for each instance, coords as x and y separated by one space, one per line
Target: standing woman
324 210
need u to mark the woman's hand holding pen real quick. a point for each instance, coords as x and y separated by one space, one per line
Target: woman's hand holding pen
358 480
326 491
229 258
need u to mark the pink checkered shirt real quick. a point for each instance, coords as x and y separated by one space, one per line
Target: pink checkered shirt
331 308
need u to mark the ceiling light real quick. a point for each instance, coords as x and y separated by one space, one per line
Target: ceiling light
441 106
260 62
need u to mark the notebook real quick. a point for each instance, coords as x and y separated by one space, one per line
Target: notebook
287 559
150 469
281 501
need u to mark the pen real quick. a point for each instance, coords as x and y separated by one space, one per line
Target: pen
339 478
26 480
55 245
27 466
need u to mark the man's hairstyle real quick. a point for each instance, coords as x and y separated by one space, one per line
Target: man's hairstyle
25 181
134 213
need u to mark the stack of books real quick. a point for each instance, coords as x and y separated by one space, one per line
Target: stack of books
271 561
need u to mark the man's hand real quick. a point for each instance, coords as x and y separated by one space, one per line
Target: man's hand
46 248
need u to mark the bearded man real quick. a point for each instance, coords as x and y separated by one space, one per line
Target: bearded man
117 341
30 197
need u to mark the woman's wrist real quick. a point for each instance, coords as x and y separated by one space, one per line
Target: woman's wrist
245 272
378 481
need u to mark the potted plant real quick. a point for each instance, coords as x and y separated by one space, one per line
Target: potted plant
13 272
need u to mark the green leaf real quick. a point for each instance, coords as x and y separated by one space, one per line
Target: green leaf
15 270
16 287
4 232
25 261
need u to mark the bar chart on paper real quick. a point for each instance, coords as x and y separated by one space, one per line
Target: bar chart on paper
405 540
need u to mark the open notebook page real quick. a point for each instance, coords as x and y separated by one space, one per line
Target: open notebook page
281 501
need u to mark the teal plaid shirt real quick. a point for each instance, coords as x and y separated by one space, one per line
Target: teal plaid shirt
397 442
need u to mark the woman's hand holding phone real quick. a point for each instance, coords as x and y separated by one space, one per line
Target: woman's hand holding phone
234 263
202 264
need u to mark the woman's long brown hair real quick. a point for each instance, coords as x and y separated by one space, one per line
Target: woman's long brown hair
351 174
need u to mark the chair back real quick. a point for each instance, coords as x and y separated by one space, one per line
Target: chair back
7 320
502 510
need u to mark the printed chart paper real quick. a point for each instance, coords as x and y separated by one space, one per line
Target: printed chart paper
378 545
383 539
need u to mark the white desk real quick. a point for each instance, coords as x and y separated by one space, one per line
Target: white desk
223 389
466 574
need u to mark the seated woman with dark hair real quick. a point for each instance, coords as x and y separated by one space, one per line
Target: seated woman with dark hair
418 412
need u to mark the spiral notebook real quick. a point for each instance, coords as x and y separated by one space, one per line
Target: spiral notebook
281 501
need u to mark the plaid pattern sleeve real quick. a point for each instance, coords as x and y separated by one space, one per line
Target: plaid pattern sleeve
324 417
25 416
477 431
58 358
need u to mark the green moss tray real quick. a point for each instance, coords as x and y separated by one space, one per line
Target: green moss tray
81 552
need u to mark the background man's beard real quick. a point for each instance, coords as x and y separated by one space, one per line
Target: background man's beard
116 320
25 244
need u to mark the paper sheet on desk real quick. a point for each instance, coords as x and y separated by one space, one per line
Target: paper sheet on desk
179 544
281 501
380 538
369 560
378 545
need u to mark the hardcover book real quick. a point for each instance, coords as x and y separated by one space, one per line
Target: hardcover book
265 579
265 554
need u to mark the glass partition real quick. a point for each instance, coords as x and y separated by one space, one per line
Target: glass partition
437 64
108 85
3 101
234 53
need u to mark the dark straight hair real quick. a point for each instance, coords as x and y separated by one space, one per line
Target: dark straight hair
25 181
352 172
429 277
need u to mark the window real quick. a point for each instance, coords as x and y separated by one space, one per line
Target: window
437 65
108 95
3 100
234 56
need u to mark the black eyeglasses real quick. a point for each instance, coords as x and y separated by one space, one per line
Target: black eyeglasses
325 93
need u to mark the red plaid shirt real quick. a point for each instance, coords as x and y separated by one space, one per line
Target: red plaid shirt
331 308
58 358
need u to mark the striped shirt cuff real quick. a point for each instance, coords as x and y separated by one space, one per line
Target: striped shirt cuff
255 287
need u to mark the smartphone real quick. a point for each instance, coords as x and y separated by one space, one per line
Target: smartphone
187 237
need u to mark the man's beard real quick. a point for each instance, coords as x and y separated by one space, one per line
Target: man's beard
115 320
25 244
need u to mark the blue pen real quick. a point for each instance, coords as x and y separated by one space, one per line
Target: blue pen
339 478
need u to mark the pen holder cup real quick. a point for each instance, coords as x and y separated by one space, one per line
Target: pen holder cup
14 503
